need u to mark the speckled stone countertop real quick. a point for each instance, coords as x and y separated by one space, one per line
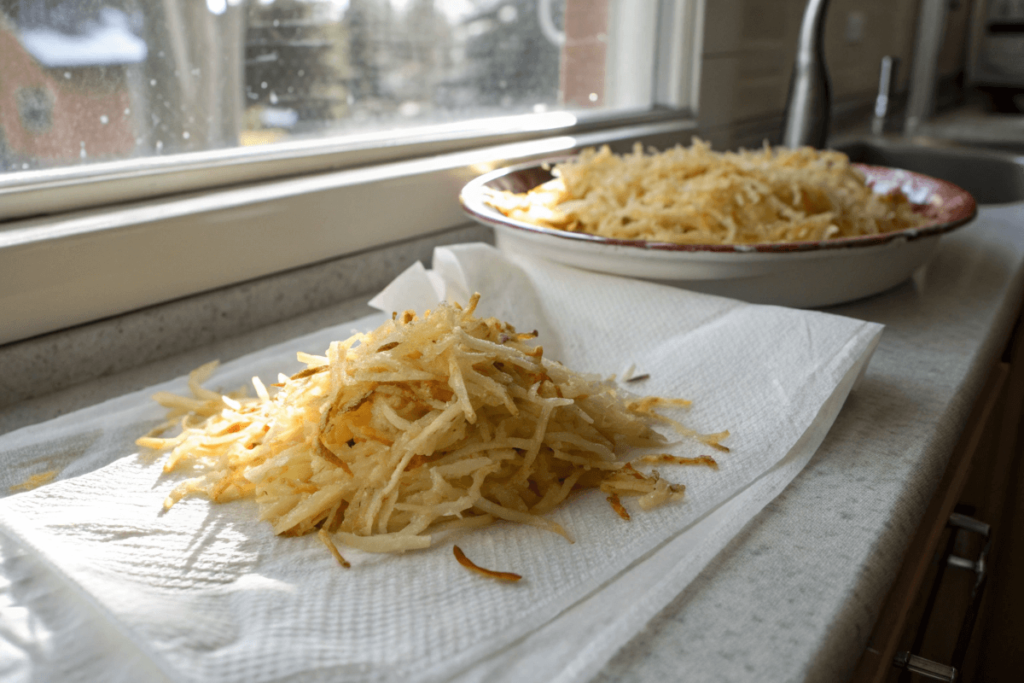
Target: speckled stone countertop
796 593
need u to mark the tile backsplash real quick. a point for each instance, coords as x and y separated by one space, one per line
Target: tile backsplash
750 45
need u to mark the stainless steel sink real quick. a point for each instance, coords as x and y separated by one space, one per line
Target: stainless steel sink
1010 147
992 177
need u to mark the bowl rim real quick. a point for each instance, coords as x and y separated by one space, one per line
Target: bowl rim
473 204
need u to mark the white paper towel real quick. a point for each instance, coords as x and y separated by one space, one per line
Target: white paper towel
205 592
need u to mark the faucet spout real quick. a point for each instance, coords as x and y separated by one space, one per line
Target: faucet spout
809 101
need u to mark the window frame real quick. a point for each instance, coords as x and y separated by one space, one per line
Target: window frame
89 242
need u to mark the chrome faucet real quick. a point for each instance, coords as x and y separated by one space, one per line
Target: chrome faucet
931 26
886 88
808 105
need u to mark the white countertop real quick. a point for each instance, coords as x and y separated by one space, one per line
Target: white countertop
795 595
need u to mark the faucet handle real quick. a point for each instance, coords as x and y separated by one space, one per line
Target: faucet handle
886 89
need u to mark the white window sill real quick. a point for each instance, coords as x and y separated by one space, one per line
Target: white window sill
64 270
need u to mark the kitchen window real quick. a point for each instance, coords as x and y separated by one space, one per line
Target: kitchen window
150 150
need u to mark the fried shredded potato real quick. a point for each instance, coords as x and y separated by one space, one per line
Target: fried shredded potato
35 481
616 504
461 558
419 427
693 195
325 538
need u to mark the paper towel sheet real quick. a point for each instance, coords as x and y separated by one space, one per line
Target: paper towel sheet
205 592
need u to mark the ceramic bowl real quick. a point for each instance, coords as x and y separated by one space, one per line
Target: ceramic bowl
797 274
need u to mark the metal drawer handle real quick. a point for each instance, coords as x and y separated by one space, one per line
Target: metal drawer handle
961 521
925 667
950 672
970 565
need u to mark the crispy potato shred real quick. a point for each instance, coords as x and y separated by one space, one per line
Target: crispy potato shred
693 195
325 538
35 481
616 504
421 426
461 558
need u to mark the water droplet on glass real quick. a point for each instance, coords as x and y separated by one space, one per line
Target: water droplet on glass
82 153
104 120
273 97
159 145
291 88
277 22
508 14
160 54
592 97
302 72
263 85
196 71
127 111
186 135
152 81
67 75
24 167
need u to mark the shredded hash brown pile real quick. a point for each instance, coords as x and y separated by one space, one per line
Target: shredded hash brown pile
423 425
693 195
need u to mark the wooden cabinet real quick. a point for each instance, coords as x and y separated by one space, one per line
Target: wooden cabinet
985 481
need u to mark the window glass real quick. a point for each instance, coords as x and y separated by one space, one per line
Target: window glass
84 81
